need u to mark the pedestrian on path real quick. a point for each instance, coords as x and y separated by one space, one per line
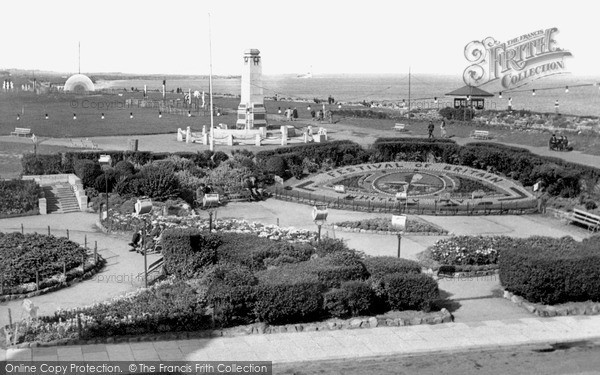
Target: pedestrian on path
295 114
443 129
430 129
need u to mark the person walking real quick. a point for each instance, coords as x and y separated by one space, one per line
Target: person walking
443 129
295 114
430 129
288 114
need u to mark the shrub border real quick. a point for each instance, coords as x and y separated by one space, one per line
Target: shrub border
438 317
94 269
591 308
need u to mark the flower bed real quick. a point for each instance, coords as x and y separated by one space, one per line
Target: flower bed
413 225
128 222
27 258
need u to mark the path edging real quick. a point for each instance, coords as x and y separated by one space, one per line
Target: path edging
593 308
443 316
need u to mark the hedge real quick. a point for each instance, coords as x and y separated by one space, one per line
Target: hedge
354 298
188 251
293 302
410 291
18 197
379 266
567 271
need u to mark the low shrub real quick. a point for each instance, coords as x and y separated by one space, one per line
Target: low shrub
18 197
188 251
410 291
87 170
289 302
567 271
380 266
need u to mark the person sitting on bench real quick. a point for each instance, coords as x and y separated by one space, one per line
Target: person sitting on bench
137 236
564 143
553 142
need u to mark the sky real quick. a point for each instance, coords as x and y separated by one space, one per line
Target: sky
327 36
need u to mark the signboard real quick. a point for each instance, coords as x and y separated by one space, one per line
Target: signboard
401 195
339 188
516 62
210 200
104 159
399 222
319 213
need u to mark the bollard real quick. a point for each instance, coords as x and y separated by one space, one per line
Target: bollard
9 318
48 229
95 252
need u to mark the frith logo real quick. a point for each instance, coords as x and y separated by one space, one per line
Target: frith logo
516 62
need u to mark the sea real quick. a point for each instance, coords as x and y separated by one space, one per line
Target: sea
582 98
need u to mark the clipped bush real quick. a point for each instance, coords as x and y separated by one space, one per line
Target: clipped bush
380 266
88 171
159 181
18 197
335 303
288 302
276 165
410 291
567 271
187 252
124 168
37 164
359 297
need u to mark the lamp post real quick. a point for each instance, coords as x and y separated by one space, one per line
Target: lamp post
142 208
399 223
210 202
319 216
105 160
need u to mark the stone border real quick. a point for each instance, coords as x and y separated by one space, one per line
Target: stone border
443 316
592 308
387 232
466 274
88 274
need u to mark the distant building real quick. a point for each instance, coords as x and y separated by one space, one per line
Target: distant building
79 83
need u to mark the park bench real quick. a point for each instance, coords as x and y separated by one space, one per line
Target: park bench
21 132
86 143
480 134
400 127
590 220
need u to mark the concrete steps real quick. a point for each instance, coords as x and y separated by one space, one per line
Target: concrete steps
60 199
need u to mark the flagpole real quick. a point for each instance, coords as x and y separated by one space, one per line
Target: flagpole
210 88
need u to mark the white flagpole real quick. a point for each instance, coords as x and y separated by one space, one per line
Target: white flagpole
212 124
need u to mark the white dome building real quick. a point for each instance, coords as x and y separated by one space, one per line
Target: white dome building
79 83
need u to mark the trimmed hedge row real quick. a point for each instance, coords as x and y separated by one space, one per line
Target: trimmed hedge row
566 271
37 164
188 251
18 197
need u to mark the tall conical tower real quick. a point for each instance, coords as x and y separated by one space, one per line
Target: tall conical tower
251 111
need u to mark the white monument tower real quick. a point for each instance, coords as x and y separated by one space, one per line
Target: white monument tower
251 111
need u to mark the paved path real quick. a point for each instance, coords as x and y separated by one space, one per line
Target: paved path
324 345
120 274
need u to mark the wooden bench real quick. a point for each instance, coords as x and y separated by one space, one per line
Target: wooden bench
480 134
86 143
400 127
21 132
582 217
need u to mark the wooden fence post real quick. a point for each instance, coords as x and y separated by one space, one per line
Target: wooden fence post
48 229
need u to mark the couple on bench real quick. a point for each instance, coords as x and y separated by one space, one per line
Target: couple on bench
558 144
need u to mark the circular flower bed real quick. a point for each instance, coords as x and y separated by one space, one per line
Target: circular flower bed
469 250
29 259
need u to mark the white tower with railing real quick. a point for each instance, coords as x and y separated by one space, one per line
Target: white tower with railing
251 111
